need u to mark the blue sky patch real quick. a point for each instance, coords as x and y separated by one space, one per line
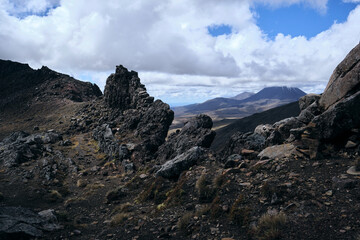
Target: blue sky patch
300 20
217 30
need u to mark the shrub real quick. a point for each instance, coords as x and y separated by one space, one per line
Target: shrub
206 191
239 214
184 222
270 225
119 219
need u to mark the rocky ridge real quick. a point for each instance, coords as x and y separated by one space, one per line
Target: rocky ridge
112 174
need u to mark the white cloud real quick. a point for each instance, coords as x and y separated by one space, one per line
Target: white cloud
352 1
169 44
320 5
19 7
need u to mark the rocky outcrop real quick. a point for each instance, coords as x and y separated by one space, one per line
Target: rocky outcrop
196 132
21 147
22 223
135 117
240 141
174 167
123 90
344 81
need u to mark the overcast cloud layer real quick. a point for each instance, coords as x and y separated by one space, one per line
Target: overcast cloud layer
168 43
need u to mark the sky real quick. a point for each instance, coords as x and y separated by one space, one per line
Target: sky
185 51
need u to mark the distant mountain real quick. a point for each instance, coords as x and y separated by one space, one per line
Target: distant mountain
243 95
223 108
281 93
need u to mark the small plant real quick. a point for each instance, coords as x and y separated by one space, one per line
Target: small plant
219 181
81 183
357 165
74 200
95 186
270 225
156 192
115 194
184 222
206 191
123 208
215 208
54 196
239 214
119 219
175 195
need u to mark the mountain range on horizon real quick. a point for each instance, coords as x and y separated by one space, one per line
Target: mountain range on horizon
239 106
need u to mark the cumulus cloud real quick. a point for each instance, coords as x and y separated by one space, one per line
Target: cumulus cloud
320 5
169 44
21 7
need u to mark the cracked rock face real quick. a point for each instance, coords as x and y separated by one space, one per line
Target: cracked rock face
344 81
141 119
123 90
196 132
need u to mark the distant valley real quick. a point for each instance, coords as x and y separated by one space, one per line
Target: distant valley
224 111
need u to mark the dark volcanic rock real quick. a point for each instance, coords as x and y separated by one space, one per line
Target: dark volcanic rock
123 90
196 132
240 141
139 119
20 83
339 118
173 168
21 147
22 223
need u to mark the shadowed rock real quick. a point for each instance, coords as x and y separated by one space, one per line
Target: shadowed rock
196 132
140 119
22 223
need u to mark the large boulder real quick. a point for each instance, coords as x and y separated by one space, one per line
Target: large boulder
339 118
278 151
248 141
196 132
344 81
22 223
174 167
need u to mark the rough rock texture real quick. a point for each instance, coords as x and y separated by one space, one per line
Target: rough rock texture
22 223
136 117
21 147
277 151
339 118
240 141
344 81
174 167
282 130
123 90
196 132
307 100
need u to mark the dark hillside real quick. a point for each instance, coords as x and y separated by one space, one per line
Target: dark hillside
249 123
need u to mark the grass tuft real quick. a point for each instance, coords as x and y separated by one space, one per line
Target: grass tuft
270 225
